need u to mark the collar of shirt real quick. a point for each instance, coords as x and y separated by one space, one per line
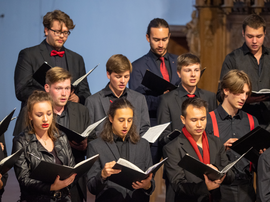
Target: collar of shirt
50 48
224 115
64 112
246 49
184 93
108 91
116 138
156 57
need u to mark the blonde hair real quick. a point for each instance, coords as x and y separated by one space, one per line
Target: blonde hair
56 74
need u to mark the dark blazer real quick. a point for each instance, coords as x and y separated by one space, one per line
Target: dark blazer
99 104
183 184
30 59
139 68
105 190
170 108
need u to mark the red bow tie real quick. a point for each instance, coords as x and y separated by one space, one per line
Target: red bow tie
59 53
191 95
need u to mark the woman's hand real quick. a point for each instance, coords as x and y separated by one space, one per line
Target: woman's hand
60 184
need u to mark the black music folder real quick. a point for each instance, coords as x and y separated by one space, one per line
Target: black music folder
47 172
77 137
5 122
258 138
196 167
156 83
131 173
265 92
40 74
8 162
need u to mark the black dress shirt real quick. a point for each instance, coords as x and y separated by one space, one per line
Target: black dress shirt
232 127
108 93
243 59
63 119
166 60
56 60
122 146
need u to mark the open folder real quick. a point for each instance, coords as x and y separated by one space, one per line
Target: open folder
154 132
8 162
198 168
77 137
5 122
131 173
78 81
258 138
47 172
40 75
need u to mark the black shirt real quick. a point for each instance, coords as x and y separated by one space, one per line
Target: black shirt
166 60
108 93
57 160
63 119
122 146
57 61
232 127
184 93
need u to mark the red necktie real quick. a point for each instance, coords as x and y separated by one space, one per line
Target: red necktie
59 53
191 95
164 70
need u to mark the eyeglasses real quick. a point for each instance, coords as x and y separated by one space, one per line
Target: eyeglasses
58 33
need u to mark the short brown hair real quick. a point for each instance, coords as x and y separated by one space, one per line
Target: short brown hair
196 103
118 63
37 97
107 133
157 23
59 16
254 21
186 60
57 74
234 81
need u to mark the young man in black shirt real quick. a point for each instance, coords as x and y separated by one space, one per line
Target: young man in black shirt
230 123
118 69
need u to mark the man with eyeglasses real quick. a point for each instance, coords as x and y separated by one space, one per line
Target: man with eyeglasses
57 26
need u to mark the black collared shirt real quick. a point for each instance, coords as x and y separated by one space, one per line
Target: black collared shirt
232 127
57 61
63 119
108 93
166 60
122 146
184 93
